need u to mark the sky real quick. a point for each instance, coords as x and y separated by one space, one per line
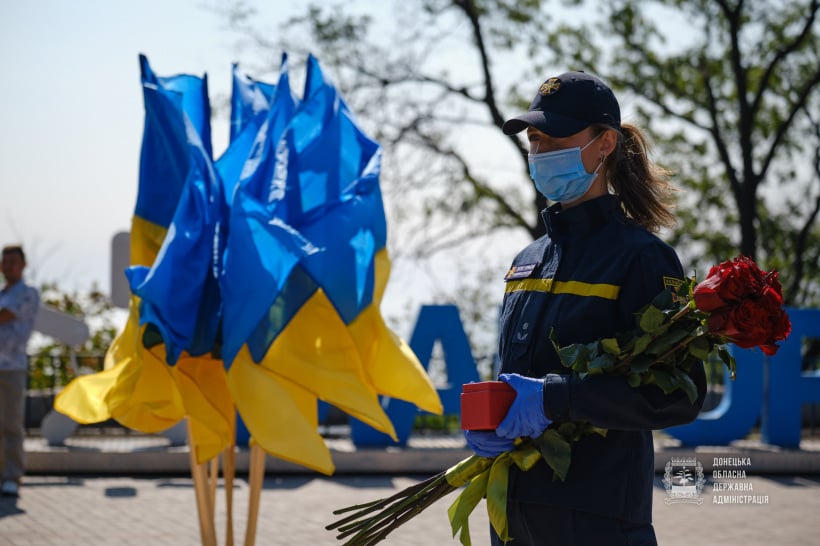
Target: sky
72 118
72 113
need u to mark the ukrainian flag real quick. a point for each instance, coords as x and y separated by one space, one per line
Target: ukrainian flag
258 278
177 235
305 271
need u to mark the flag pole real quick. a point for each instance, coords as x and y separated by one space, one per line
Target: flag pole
213 478
204 506
228 470
256 474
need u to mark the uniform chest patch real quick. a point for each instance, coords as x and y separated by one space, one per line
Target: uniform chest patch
520 272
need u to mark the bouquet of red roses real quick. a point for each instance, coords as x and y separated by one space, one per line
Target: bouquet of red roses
745 305
737 303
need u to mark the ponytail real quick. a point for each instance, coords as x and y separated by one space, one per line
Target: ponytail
642 187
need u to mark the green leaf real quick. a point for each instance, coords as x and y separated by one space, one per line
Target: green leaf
664 300
651 320
665 380
601 363
685 289
567 430
641 364
634 380
729 360
556 452
667 341
642 343
572 355
610 346
626 340
685 382
700 348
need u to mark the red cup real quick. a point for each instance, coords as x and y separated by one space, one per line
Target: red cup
484 405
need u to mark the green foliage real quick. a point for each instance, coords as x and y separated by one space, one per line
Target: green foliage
671 338
732 104
556 450
446 424
651 320
53 363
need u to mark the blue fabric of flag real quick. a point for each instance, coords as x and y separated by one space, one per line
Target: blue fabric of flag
326 195
164 157
341 206
263 249
180 291
250 108
249 98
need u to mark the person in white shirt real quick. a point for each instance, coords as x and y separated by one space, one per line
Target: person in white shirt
19 303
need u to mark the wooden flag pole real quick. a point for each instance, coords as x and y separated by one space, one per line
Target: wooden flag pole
204 506
228 470
256 475
213 478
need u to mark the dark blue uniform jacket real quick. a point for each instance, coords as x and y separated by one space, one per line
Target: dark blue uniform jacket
586 278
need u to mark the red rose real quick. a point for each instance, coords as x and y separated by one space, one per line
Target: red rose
771 280
720 323
777 323
748 323
744 304
730 282
706 295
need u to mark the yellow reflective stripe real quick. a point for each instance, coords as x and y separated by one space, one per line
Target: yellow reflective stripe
601 290
577 288
529 285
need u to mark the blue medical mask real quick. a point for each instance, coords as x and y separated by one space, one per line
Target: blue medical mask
560 175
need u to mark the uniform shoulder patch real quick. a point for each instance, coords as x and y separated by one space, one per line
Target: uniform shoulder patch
674 283
520 272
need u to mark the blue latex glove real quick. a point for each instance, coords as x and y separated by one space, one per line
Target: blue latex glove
487 443
526 415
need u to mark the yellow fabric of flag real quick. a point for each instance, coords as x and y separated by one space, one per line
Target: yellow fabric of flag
281 415
391 367
203 384
317 352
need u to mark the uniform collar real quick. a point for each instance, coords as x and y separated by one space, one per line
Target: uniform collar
581 219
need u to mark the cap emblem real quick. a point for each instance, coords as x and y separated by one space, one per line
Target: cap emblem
550 86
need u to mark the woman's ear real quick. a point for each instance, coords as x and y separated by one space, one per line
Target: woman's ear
609 139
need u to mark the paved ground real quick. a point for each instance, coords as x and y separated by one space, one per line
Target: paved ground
131 489
97 511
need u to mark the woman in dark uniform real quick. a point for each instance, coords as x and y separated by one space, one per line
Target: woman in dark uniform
597 265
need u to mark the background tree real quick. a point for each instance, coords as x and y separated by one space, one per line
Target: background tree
734 104
729 91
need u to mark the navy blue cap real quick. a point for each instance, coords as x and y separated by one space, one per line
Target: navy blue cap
567 104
